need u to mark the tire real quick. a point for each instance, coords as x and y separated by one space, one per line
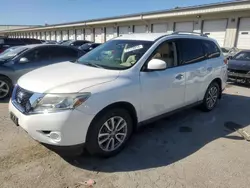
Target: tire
5 87
212 90
94 139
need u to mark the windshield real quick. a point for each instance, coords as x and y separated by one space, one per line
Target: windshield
66 43
243 56
116 54
12 52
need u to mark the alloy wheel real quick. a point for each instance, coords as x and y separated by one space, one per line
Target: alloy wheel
112 134
4 89
212 97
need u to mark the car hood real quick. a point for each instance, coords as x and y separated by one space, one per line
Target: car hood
65 77
239 65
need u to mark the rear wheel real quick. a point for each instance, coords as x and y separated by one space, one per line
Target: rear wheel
109 133
5 87
211 97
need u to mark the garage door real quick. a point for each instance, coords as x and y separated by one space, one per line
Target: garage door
47 35
88 33
79 35
53 35
98 35
244 34
159 28
216 29
58 35
109 33
71 34
184 26
65 35
38 35
140 29
43 36
123 30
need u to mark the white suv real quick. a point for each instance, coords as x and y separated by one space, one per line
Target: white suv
102 98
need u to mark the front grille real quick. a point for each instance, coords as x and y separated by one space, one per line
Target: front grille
21 98
238 71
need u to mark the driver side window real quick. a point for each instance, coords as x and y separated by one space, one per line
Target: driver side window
37 55
166 52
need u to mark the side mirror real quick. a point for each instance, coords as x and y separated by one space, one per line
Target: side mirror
23 60
156 64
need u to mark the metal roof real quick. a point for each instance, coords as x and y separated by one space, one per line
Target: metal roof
155 12
173 10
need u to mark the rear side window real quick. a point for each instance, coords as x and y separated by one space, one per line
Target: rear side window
190 50
211 49
61 52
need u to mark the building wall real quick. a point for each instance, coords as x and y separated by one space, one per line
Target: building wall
92 30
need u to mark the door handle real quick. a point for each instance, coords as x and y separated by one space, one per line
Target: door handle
179 76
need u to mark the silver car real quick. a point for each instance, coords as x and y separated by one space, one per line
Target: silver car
17 61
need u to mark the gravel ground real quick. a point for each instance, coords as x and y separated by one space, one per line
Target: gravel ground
189 149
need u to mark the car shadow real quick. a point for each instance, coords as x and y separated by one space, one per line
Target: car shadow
174 138
5 100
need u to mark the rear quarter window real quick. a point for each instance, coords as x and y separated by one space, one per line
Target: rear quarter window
211 49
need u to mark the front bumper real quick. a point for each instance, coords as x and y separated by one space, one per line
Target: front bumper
71 125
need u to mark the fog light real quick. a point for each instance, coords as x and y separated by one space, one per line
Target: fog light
56 136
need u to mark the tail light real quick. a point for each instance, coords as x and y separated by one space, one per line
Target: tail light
225 61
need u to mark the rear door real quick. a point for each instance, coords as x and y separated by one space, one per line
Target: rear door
215 63
192 58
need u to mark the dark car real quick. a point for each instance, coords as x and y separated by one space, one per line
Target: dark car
75 43
17 61
50 42
85 48
31 41
239 67
6 43
61 41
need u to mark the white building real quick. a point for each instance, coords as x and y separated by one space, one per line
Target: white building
227 22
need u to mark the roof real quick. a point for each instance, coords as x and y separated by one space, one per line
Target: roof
37 45
155 36
177 11
141 36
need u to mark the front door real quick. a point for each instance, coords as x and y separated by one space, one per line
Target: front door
163 91
36 58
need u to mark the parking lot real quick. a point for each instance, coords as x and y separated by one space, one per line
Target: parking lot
188 149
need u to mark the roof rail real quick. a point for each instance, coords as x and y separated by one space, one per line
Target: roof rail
187 32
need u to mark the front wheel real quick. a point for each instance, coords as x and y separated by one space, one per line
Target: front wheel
5 87
211 97
109 133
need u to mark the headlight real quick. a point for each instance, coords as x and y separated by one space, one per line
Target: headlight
58 102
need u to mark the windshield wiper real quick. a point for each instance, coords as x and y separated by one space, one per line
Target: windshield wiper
94 65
